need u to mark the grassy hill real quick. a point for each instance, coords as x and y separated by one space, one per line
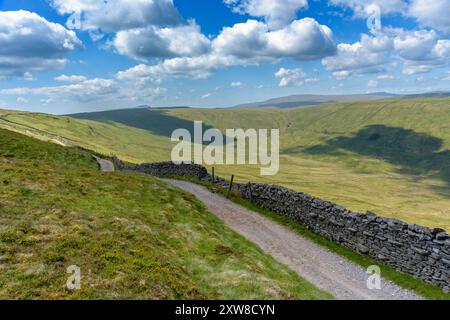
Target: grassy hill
133 236
389 156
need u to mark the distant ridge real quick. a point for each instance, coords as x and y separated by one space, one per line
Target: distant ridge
296 101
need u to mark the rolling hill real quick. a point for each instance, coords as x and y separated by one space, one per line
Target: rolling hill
132 236
297 101
389 156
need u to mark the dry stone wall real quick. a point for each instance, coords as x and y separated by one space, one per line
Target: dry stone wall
171 169
416 250
419 251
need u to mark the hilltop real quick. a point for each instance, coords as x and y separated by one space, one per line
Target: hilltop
305 100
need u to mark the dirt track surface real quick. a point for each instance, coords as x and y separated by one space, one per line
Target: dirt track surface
325 269
105 165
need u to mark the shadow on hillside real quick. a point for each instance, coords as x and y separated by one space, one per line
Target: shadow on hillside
157 121
414 153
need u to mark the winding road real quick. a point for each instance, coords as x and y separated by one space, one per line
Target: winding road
325 269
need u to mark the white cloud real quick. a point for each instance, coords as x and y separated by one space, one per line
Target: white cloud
290 77
311 80
429 13
206 96
73 78
420 51
277 13
303 39
30 43
356 58
372 84
237 84
386 77
85 91
142 29
90 90
363 8
249 43
117 15
22 100
200 67
433 13
151 41
46 102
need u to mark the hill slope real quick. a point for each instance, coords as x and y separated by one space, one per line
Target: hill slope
387 156
305 100
132 236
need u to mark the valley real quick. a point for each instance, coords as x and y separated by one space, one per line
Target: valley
387 156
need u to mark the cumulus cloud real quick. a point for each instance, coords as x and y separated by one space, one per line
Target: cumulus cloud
142 29
277 13
429 13
200 67
30 43
144 43
86 90
364 8
304 39
22 100
237 84
89 90
356 58
73 78
249 43
372 84
116 15
386 77
434 13
290 76
419 50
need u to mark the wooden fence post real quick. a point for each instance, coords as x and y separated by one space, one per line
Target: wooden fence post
213 177
231 186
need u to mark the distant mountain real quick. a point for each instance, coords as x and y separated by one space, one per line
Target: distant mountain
144 106
296 101
439 94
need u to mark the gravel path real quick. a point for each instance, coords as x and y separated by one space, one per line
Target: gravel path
327 270
105 165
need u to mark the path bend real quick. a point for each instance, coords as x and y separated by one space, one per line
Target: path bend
322 267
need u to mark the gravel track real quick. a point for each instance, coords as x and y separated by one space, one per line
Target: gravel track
105 165
325 269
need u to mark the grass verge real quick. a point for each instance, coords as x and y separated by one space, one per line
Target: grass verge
403 280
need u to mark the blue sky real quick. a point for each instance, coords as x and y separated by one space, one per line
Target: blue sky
84 55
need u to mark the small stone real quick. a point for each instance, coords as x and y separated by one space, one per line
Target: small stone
395 243
442 236
362 249
312 215
366 233
421 251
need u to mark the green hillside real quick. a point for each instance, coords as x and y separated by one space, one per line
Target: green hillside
133 236
390 156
